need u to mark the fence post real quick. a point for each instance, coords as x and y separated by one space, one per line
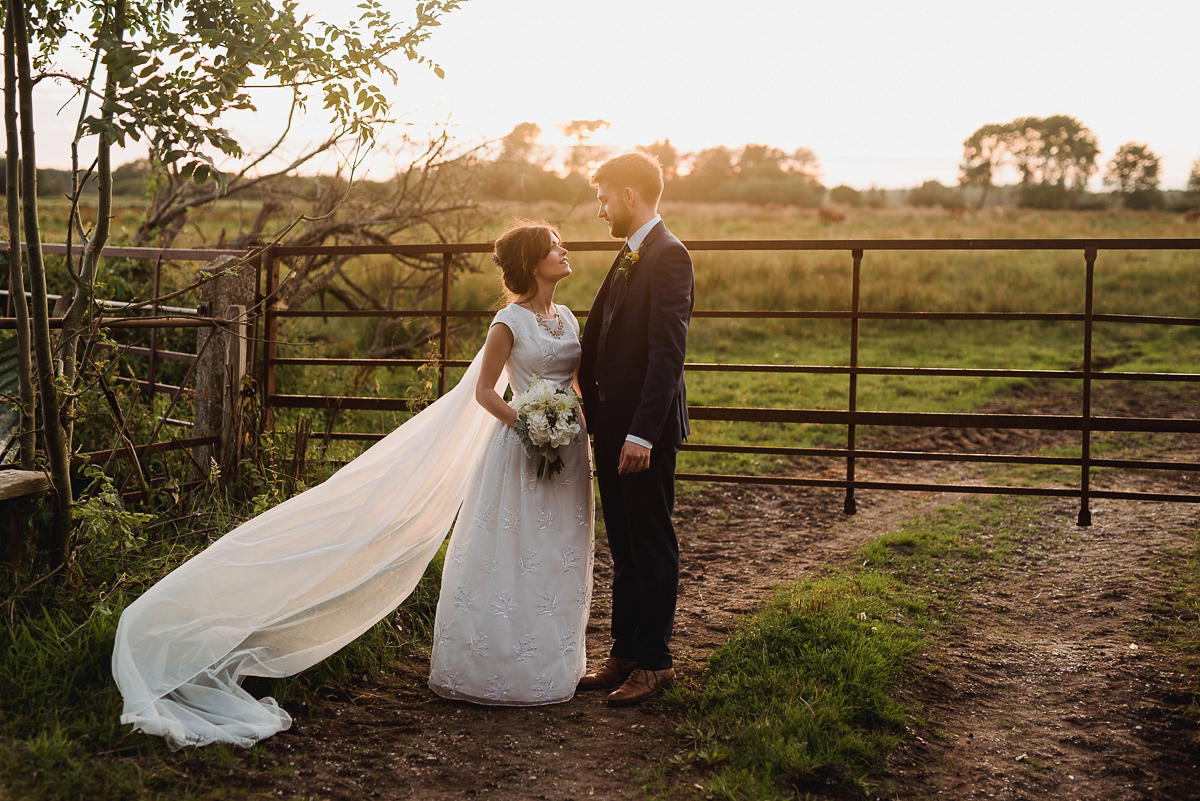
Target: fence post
851 506
270 328
153 367
1085 478
221 360
236 367
444 350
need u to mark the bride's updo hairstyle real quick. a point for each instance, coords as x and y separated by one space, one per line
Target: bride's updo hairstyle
518 251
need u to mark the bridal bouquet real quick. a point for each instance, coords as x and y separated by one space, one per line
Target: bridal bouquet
547 419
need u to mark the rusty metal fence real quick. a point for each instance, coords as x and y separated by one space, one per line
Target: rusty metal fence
1085 423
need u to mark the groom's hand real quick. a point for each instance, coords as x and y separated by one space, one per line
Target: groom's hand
634 458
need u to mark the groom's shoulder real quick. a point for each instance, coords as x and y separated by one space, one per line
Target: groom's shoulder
672 248
666 239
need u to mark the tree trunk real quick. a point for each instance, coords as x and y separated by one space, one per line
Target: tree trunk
987 186
16 272
57 447
82 300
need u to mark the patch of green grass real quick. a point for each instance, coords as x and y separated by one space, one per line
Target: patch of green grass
52 765
54 671
952 544
802 698
1176 625
60 714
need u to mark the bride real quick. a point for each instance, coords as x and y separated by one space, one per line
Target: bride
516 586
288 588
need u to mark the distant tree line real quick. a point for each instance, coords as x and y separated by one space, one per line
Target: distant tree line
1054 158
752 173
50 182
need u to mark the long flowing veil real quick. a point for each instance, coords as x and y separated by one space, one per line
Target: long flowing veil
286 589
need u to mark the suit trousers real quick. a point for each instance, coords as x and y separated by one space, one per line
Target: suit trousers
637 518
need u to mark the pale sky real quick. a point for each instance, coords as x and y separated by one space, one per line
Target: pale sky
884 92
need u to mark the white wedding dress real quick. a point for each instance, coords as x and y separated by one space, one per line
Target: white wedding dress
286 589
516 585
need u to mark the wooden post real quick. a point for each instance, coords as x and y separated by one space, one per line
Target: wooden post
270 329
444 347
153 368
237 365
221 363
15 484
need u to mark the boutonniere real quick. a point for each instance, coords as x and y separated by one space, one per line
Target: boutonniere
625 268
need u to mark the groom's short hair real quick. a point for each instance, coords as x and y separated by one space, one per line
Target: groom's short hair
640 171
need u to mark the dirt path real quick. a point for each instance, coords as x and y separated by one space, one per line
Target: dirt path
1035 693
394 739
1055 685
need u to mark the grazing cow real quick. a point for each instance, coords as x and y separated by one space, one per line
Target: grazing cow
957 212
1192 215
831 215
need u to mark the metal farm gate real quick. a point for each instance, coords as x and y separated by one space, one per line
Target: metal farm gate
1084 422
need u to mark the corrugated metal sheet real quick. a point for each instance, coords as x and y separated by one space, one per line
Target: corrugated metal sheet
10 416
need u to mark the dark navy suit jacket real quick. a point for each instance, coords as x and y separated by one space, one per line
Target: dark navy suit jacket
631 370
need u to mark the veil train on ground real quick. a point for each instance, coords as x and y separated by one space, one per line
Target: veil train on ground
288 588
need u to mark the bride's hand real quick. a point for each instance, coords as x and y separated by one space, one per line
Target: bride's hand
496 348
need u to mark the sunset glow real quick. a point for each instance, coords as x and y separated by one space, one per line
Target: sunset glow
884 93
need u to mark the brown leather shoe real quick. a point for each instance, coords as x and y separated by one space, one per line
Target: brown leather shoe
641 685
613 672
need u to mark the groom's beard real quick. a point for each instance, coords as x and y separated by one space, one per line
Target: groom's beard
620 224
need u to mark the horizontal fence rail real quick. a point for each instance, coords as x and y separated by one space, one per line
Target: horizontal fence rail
1085 423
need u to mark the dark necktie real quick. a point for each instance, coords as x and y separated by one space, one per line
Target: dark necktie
611 299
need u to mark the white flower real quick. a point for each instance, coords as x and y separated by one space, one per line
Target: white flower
539 427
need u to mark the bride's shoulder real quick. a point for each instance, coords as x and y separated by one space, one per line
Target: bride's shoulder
509 315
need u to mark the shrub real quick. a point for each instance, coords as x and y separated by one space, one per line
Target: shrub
846 195
1143 199
934 193
787 190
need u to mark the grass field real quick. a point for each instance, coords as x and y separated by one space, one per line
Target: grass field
58 702
1126 282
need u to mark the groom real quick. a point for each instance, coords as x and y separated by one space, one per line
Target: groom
631 377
